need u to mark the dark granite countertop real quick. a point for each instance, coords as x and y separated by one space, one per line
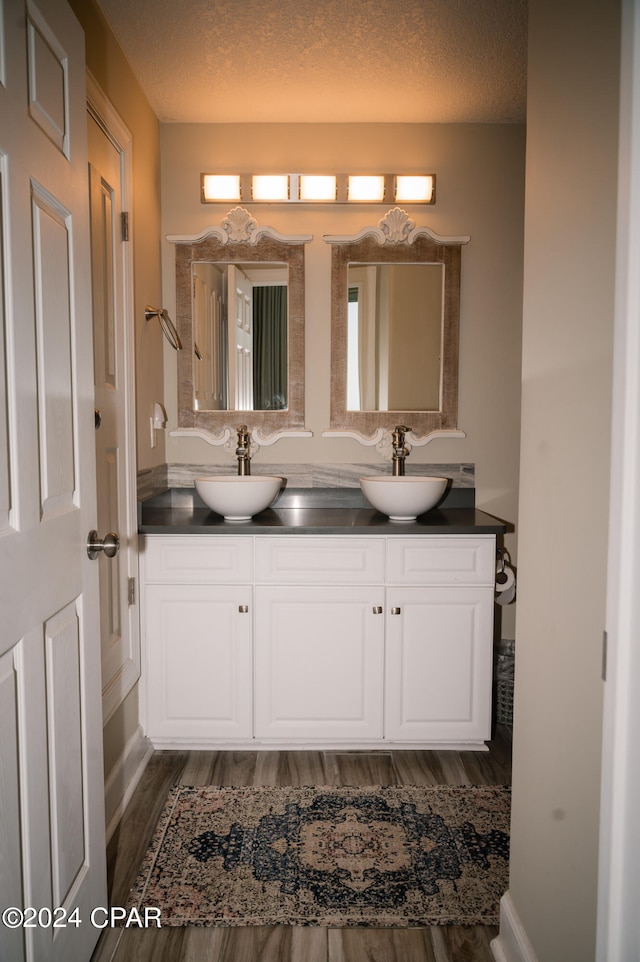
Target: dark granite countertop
313 511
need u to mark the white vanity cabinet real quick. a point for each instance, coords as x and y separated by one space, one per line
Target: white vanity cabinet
326 640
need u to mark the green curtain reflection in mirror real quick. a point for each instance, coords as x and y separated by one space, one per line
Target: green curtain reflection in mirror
270 348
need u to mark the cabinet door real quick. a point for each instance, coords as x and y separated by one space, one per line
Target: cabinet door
438 664
319 662
198 654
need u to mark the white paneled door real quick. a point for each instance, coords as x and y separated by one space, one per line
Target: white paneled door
109 187
240 297
52 858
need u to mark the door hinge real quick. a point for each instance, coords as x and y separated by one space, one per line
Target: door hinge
604 655
132 591
124 225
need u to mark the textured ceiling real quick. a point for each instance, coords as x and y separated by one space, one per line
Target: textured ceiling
327 61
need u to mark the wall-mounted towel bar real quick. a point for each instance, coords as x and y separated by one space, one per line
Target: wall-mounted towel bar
167 325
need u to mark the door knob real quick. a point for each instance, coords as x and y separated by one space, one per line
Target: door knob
110 544
396 611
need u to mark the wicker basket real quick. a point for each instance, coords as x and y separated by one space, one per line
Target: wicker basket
504 701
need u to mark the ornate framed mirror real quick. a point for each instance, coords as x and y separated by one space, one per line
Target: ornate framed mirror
395 314
240 317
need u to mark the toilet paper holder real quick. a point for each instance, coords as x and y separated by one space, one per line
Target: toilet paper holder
505 578
501 574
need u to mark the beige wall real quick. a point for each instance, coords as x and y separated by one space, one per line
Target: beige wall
480 181
113 75
564 470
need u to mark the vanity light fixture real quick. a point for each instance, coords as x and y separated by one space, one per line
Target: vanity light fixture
220 187
416 189
270 187
318 188
366 188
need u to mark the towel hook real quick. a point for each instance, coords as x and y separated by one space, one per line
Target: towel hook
167 325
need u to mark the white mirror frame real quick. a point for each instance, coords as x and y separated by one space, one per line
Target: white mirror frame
395 239
239 238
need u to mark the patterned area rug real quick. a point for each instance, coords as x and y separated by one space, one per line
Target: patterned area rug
384 856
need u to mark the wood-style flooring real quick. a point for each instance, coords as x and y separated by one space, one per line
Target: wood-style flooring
291 943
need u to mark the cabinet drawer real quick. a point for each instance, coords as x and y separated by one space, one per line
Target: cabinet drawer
441 560
197 560
320 560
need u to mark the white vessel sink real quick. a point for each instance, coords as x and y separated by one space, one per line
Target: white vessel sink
403 498
238 497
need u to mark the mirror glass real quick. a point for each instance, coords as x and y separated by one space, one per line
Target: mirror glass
241 344
395 315
394 336
240 316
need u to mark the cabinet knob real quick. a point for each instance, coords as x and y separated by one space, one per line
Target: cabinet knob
377 610
243 609
396 611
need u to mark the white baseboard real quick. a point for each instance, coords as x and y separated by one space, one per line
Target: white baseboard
511 943
124 777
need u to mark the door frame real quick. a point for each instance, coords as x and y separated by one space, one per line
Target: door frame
619 869
117 687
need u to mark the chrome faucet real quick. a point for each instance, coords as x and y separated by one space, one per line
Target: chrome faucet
400 450
243 452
